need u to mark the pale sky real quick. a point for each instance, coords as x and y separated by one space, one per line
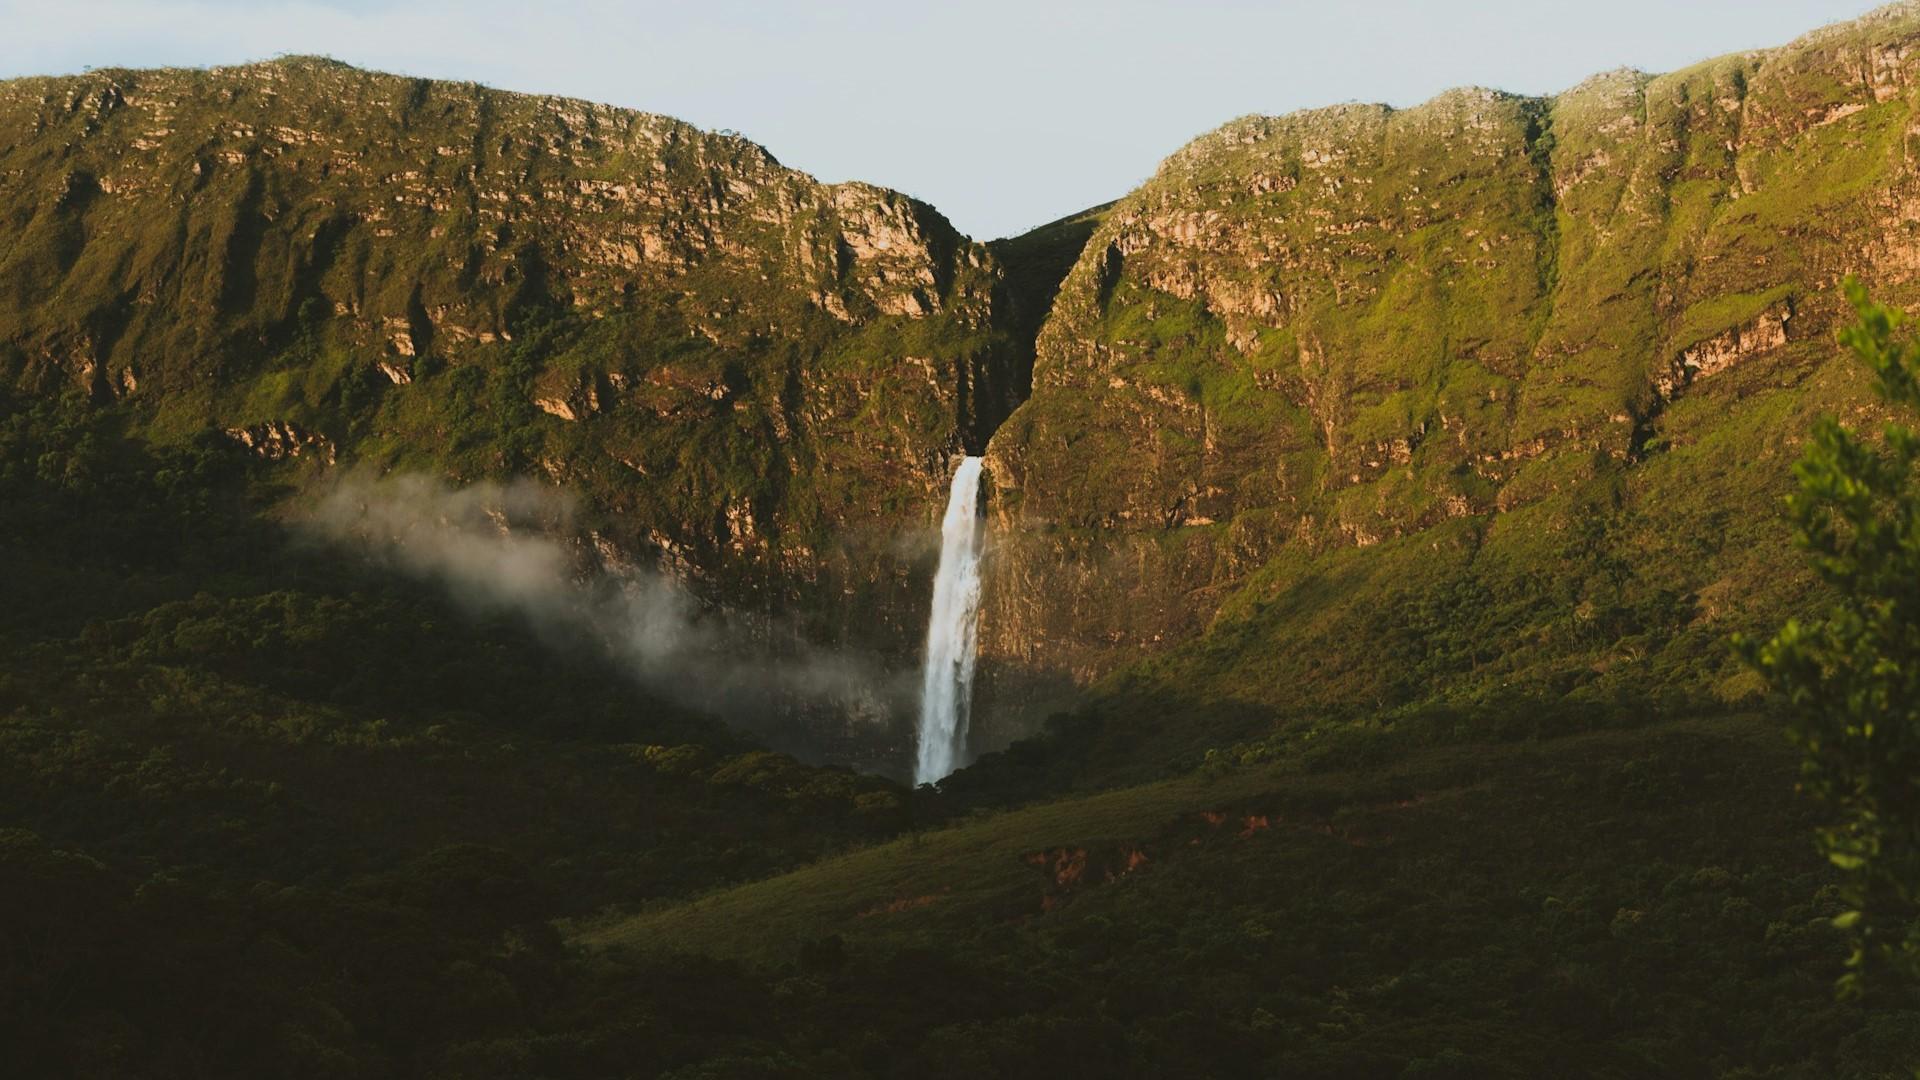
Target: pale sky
1003 113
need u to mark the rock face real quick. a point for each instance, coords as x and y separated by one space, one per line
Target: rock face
1338 328
1425 363
755 378
420 217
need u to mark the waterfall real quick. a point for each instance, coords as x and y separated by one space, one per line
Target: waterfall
946 685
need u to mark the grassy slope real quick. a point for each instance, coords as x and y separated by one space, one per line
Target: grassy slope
1616 904
1435 473
975 872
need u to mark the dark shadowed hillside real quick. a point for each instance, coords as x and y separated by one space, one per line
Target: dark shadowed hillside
753 379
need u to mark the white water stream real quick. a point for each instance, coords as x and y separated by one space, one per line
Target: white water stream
946 686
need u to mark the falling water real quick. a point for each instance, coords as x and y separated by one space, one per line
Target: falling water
946 687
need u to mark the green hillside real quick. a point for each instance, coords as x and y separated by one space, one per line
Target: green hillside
1479 407
746 376
1629 904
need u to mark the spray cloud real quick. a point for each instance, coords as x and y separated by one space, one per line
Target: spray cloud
516 548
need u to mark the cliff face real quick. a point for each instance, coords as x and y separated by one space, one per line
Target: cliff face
1358 326
1445 379
172 225
756 378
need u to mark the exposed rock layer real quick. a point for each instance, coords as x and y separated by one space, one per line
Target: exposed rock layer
1341 327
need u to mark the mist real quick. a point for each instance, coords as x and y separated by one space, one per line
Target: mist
518 549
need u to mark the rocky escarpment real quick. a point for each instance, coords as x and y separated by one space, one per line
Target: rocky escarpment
755 378
1350 327
171 226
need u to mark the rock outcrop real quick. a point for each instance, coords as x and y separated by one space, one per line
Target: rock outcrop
1338 328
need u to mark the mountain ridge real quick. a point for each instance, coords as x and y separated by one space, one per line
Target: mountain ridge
1346 329
1367 520
755 380
831 333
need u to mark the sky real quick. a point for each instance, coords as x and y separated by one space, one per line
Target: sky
1005 114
